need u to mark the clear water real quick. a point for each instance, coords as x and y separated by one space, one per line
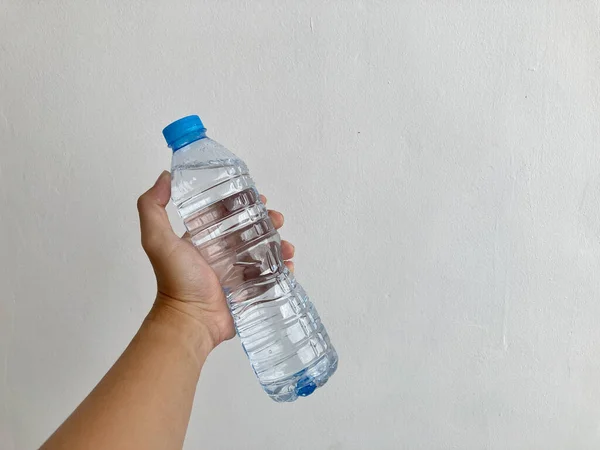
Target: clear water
279 327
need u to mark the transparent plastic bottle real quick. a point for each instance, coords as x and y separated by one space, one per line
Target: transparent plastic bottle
279 327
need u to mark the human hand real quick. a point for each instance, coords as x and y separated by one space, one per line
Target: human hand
186 284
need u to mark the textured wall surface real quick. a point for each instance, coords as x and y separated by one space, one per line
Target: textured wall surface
438 166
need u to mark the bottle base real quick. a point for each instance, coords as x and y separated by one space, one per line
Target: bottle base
305 382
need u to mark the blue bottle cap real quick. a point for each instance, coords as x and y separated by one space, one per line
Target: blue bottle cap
184 131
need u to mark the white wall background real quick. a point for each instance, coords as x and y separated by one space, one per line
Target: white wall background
438 165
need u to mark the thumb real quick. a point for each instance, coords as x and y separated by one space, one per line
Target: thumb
154 222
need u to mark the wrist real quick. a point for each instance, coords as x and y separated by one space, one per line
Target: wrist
176 316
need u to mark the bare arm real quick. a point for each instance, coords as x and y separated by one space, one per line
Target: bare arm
145 400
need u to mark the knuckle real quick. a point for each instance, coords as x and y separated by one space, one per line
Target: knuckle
148 242
141 201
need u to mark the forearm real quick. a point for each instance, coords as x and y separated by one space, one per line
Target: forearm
145 400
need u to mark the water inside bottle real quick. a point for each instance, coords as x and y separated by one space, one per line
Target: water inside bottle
279 327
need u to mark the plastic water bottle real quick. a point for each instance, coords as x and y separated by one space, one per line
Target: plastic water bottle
279 327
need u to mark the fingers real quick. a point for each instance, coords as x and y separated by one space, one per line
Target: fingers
287 250
290 266
276 218
154 222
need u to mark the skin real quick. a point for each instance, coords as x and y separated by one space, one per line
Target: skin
145 399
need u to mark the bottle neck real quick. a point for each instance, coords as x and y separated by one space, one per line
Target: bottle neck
193 136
